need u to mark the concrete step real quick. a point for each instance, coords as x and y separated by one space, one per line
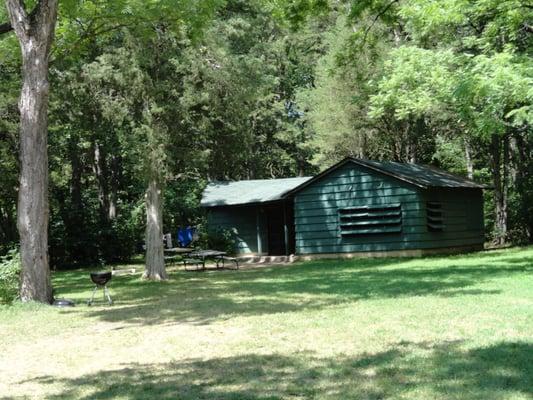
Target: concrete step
267 259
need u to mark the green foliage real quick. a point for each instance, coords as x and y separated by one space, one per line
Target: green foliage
495 92
430 81
415 83
216 239
182 197
9 276
95 241
296 12
236 89
190 93
335 104
9 115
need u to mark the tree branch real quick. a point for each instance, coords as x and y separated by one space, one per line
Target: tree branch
99 30
20 22
383 11
8 27
39 22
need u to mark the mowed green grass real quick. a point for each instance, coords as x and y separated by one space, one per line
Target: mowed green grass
454 327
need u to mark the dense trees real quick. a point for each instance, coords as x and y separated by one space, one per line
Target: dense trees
35 32
144 109
428 81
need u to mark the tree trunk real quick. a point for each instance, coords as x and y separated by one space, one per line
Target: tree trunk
514 157
410 152
75 178
113 193
74 219
155 261
500 188
468 159
35 34
100 172
524 166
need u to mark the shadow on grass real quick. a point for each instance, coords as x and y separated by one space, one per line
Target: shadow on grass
203 297
408 370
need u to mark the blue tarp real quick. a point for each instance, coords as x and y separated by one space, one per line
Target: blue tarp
185 236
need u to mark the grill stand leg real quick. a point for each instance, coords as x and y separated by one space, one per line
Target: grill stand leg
92 296
106 293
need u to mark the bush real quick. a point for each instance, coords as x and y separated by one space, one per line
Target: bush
9 276
217 239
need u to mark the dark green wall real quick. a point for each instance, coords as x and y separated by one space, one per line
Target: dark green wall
317 220
242 221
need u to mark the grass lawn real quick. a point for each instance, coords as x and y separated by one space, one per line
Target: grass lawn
455 327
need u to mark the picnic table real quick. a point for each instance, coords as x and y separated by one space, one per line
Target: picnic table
172 253
199 257
178 250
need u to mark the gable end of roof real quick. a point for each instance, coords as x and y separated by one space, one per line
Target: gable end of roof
421 176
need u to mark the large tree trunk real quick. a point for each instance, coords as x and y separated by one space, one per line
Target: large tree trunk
35 34
155 261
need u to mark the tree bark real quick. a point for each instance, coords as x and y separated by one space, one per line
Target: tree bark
35 34
410 135
468 159
500 187
113 193
523 166
100 172
155 261
74 222
75 178
514 156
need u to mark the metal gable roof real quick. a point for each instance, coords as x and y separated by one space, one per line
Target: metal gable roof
248 192
419 175
266 190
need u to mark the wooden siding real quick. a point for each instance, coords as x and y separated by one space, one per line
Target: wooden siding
316 214
242 221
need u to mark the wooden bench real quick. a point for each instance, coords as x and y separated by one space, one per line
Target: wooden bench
172 259
193 261
223 259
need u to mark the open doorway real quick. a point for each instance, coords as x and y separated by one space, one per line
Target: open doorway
280 224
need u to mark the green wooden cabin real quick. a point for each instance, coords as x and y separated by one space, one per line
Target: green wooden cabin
356 207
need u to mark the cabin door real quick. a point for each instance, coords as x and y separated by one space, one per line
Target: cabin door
276 230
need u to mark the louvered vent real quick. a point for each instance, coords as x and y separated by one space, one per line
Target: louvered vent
370 219
435 220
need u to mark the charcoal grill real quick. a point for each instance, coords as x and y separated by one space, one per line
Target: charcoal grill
100 280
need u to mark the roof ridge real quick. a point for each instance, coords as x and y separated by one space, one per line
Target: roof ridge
432 168
424 182
248 191
260 180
